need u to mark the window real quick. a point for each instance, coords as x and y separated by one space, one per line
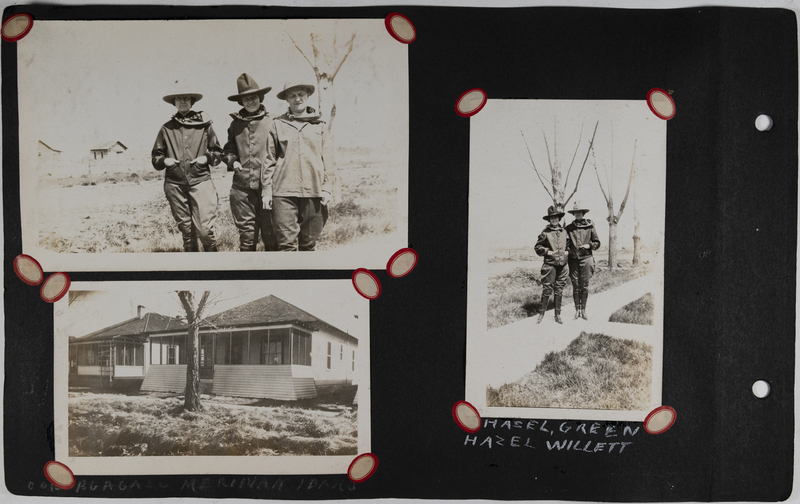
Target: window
341 352
329 355
354 360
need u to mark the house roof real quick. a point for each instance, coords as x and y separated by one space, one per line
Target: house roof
135 327
52 149
268 311
108 145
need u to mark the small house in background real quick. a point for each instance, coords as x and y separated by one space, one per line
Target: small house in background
267 348
107 150
46 153
116 356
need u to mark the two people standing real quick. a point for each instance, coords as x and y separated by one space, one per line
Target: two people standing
283 169
567 253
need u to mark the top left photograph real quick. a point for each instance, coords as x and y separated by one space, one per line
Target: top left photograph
145 144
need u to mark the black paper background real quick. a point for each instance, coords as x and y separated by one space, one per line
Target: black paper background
731 222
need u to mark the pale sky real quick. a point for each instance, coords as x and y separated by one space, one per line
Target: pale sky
334 301
83 83
513 201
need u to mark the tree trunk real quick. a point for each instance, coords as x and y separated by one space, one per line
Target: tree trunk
194 314
612 244
192 393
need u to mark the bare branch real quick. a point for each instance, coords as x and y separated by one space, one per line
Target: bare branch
533 164
187 302
201 305
553 176
630 178
349 50
580 137
594 162
304 54
590 149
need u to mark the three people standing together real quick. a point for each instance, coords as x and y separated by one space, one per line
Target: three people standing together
283 169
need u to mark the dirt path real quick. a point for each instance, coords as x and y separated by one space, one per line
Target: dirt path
514 350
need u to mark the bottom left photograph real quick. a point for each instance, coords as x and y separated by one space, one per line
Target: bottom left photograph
248 377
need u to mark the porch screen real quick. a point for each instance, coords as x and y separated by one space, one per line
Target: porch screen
223 350
301 346
279 346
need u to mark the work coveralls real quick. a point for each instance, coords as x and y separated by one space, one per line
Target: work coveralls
581 261
190 192
247 143
299 169
554 270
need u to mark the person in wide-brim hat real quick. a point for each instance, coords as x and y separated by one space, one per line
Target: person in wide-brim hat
583 240
195 97
248 86
292 85
553 212
552 245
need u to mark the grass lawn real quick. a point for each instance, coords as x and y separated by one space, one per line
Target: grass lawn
517 294
112 425
636 312
128 212
594 372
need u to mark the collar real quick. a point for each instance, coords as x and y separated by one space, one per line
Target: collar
310 115
192 118
244 115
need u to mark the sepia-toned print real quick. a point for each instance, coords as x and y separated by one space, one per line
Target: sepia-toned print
174 136
566 271
272 376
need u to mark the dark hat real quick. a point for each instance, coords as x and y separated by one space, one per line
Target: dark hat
576 207
292 85
553 212
247 87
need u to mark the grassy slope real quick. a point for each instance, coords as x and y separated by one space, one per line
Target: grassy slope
368 207
594 372
110 425
516 295
635 312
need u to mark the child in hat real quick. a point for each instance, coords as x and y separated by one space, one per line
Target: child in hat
186 147
552 244
245 154
298 177
583 240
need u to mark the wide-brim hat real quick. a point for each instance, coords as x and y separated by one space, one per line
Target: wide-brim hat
553 212
577 207
292 85
170 98
248 87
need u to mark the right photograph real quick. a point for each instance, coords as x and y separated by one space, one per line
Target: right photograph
566 270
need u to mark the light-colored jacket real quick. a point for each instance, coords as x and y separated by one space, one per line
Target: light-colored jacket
299 158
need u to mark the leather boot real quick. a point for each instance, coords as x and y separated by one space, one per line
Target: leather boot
542 308
576 300
558 308
584 297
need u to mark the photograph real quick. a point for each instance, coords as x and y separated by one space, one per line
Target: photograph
566 254
176 136
254 377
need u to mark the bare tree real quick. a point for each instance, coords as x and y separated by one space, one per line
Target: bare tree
637 240
326 66
558 186
194 315
613 218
